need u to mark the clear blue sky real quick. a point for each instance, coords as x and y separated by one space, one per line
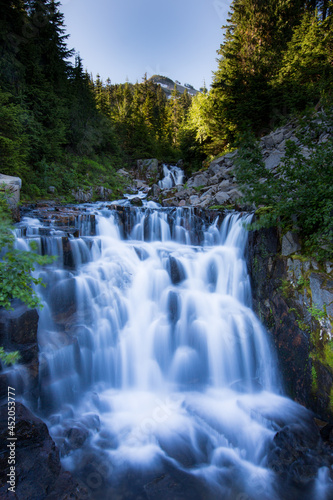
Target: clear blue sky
124 39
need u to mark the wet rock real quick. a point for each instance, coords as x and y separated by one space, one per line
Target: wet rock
284 309
39 474
63 297
297 452
91 421
176 270
19 326
76 437
155 190
176 485
18 332
137 202
169 202
173 307
141 253
67 254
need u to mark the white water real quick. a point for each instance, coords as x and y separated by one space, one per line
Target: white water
155 345
173 176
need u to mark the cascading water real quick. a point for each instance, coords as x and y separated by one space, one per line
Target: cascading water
173 176
154 368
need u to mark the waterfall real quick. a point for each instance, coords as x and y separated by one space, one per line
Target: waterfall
173 176
152 362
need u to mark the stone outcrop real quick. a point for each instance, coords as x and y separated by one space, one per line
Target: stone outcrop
18 332
100 193
217 186
293 297
149 170
12 187
38 472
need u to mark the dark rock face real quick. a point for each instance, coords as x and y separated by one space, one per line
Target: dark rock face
176 270
296 454
282 307
18 332
38 471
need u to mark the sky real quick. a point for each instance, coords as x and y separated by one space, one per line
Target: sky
124 39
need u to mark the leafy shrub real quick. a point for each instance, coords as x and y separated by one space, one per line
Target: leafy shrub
300 192
16 266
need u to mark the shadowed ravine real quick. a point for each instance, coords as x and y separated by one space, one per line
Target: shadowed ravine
157 380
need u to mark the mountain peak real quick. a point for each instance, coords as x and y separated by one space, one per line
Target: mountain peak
168 85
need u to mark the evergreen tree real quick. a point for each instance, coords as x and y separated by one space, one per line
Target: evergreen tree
306 72
256 35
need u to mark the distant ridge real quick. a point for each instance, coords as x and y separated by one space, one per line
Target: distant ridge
168 85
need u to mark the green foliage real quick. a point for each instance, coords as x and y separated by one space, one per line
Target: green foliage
9 358
301 189
286 288
303 282
317 313
314 378
275 59
16 266
306 71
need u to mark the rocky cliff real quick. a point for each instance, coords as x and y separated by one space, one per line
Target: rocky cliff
293 296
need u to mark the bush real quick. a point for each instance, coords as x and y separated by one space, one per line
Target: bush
300 192
16 266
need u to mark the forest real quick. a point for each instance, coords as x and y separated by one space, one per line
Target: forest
61 126
145 312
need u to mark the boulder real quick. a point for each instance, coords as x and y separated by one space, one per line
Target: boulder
176 270
224 185
170 202
297 453
82 196
194 199
137 201
155 190
273 160
12 186
123 172
216 166
76 437
38 471
221 197
290 244
18 332
199 180
234 195
148 169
